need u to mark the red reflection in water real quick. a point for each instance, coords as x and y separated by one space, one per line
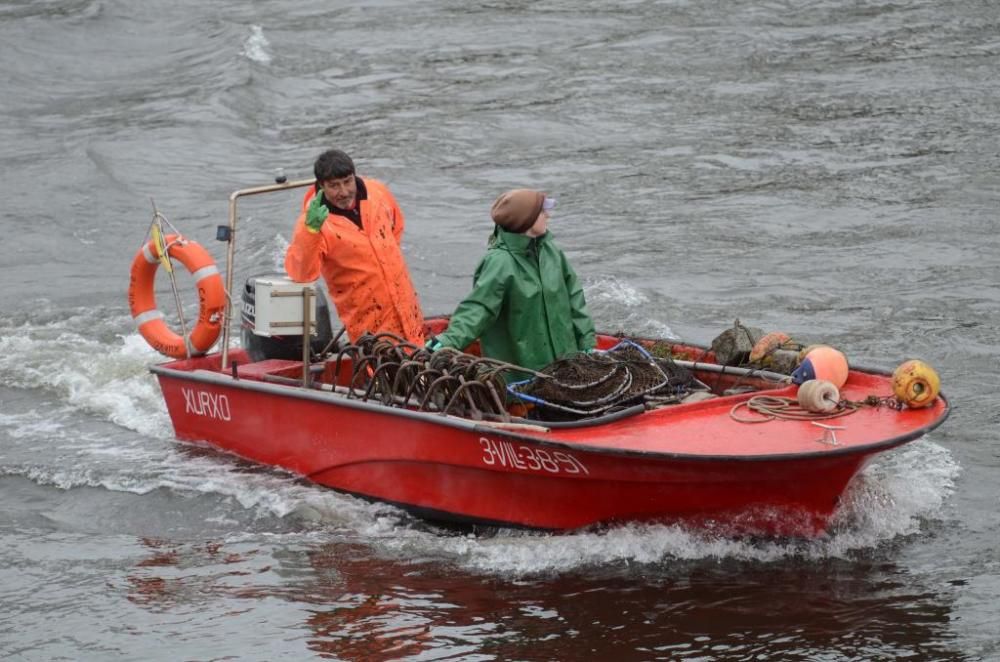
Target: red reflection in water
355 606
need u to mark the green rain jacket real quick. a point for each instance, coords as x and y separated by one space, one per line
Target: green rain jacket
526 305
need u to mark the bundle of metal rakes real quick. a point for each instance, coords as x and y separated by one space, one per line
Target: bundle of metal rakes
387 369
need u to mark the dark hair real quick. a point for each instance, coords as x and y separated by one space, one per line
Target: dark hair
333 164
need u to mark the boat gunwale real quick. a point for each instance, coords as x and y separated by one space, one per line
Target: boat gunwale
223 379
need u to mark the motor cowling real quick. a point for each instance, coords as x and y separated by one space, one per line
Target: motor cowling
270 309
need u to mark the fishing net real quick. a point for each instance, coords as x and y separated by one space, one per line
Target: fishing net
592 384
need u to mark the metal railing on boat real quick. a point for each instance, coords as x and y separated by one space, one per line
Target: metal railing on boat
229 235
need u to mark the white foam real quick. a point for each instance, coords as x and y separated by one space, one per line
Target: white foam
893 495
612 290
83 364
30 425
66 357
609 298
255 46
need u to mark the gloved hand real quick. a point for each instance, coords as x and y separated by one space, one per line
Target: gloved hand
433 344
316 214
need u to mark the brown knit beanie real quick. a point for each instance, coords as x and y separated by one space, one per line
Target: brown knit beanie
515 211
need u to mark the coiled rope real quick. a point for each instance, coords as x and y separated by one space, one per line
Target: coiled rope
772 407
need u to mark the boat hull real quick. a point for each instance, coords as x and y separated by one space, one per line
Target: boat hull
461 470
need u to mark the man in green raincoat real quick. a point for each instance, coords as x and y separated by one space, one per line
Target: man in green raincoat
526 305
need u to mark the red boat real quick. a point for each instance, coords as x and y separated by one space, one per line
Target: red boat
700 463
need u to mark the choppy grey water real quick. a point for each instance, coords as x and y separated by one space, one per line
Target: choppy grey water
826 168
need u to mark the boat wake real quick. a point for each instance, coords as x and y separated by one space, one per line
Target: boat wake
82 362
83 410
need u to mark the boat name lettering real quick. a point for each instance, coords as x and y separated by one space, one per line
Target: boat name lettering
203 403
528 458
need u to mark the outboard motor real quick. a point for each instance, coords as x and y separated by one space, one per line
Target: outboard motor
272 303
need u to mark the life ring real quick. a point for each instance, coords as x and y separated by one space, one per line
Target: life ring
211 298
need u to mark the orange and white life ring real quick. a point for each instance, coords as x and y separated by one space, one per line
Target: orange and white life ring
211 298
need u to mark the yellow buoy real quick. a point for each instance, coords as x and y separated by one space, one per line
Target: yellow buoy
916 384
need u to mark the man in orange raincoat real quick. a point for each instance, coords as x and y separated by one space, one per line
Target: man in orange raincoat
350 230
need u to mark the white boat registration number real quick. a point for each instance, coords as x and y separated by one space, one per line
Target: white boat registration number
526 458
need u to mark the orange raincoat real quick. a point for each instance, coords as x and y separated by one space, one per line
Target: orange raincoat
364 268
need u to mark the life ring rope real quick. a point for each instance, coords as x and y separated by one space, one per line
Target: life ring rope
211 297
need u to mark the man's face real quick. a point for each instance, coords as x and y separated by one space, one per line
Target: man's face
340 192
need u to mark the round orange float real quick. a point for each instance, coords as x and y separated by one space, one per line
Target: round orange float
824 363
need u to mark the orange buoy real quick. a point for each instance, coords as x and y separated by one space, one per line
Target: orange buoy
824 363
915 384
211 298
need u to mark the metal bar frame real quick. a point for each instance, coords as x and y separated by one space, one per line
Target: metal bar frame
227 314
